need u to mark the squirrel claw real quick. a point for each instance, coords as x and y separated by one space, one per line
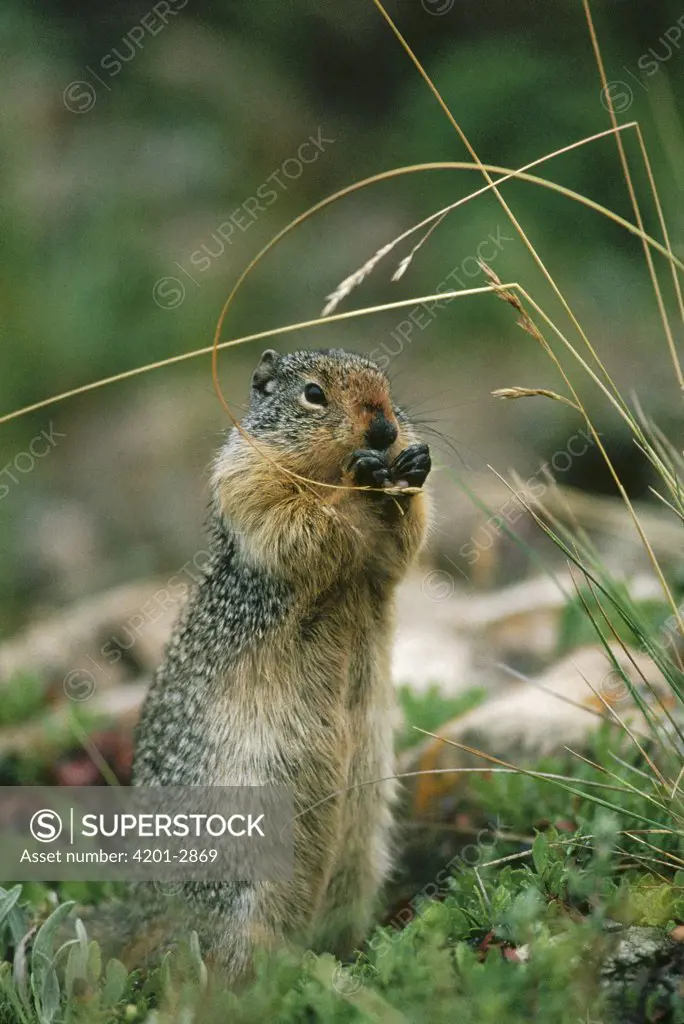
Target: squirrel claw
412 466
369 468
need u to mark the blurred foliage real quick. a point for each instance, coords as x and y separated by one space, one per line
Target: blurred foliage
22 698
577 628
102 200
431 709
100 204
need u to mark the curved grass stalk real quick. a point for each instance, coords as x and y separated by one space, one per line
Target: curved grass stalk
396 172
417 168
434 219
320 321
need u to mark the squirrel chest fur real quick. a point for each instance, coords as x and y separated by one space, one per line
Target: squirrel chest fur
279 668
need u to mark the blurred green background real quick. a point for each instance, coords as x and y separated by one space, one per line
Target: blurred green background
132 132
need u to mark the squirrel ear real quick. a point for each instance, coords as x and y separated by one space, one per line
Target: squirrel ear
266 370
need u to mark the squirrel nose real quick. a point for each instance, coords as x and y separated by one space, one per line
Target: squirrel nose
381 433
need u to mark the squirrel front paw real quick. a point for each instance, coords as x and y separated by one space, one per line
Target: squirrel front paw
369 468
411 467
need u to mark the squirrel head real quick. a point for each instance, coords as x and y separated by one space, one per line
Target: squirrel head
312 409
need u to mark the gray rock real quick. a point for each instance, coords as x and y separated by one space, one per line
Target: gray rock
644 977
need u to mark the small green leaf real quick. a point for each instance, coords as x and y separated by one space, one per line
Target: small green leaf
540 853
114 987
49 997
94 964
12 916
8 900
20 967
75 968
82 936
45 938
196 961
165 975
44 984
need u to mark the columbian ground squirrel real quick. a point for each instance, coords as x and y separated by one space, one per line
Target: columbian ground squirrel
279 668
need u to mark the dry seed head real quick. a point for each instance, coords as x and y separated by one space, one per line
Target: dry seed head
501 293
488 272
354 280
511 393
528 325
524 319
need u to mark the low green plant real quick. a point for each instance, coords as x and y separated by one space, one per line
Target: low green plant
431 708
23 697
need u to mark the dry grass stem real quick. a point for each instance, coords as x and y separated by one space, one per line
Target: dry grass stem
633 197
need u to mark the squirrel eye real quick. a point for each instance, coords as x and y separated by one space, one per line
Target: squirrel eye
315 395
